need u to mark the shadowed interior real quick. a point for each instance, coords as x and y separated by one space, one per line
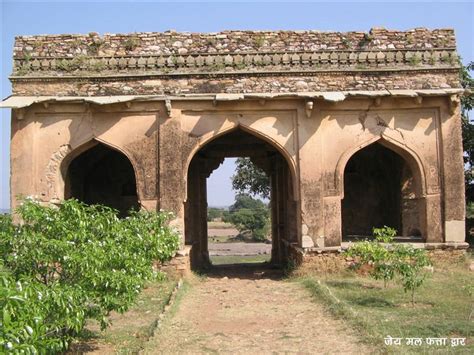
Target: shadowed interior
102 175
379 190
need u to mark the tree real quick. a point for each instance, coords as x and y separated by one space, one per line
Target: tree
250 179
214 213
467 103
254 221
243 200
249 214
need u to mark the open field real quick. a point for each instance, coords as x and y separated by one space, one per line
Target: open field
240 248
442 310
219 225
239 259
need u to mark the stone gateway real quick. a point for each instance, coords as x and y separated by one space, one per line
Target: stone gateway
355 129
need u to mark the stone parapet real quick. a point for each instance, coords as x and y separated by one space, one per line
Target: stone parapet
182 43
234 62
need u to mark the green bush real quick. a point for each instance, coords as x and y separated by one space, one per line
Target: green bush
39 318
373 252
81 255
410 264
384 234
389 261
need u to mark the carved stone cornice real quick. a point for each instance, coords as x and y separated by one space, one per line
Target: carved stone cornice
237 63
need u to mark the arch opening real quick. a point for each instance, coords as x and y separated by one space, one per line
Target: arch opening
102 175
234 144
381 188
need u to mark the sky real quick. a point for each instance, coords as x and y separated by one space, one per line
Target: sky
40 17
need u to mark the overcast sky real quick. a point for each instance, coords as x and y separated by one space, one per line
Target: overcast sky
39 17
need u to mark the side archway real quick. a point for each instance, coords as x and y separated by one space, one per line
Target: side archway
382 185
96 173
410 156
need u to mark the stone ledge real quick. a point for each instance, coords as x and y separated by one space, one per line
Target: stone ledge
18 102
345 246
238 63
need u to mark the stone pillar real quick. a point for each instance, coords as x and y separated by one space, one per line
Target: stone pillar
171 187
332 222
196 209
203 237
22 158
274 210
171 182
433 222
310 166
194 206
282 221
453 168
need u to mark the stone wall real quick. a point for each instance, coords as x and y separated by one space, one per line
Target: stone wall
316 102
234 61
171 42
263 83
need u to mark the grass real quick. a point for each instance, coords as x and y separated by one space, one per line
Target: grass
129 332
442 308
240 259
151 346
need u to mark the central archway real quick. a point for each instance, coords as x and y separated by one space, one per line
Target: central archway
240 143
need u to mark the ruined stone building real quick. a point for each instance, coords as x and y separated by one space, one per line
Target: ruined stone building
355 129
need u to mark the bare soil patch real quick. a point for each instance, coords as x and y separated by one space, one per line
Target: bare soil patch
222 232
239 249
251 310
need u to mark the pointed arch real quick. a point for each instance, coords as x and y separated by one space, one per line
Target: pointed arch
211 136
87 144
385 186
99 172
233 141
413 159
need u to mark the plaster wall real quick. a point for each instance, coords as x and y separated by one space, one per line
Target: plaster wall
316 144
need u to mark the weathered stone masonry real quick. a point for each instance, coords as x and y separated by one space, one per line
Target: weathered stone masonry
355 129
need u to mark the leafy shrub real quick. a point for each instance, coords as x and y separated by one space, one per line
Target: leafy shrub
80 255
384 234
39 318
410 263
373 252
392 260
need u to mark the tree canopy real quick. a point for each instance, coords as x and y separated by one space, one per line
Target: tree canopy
467 103
250 179
249 215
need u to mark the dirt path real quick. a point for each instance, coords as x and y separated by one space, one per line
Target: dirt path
251 312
